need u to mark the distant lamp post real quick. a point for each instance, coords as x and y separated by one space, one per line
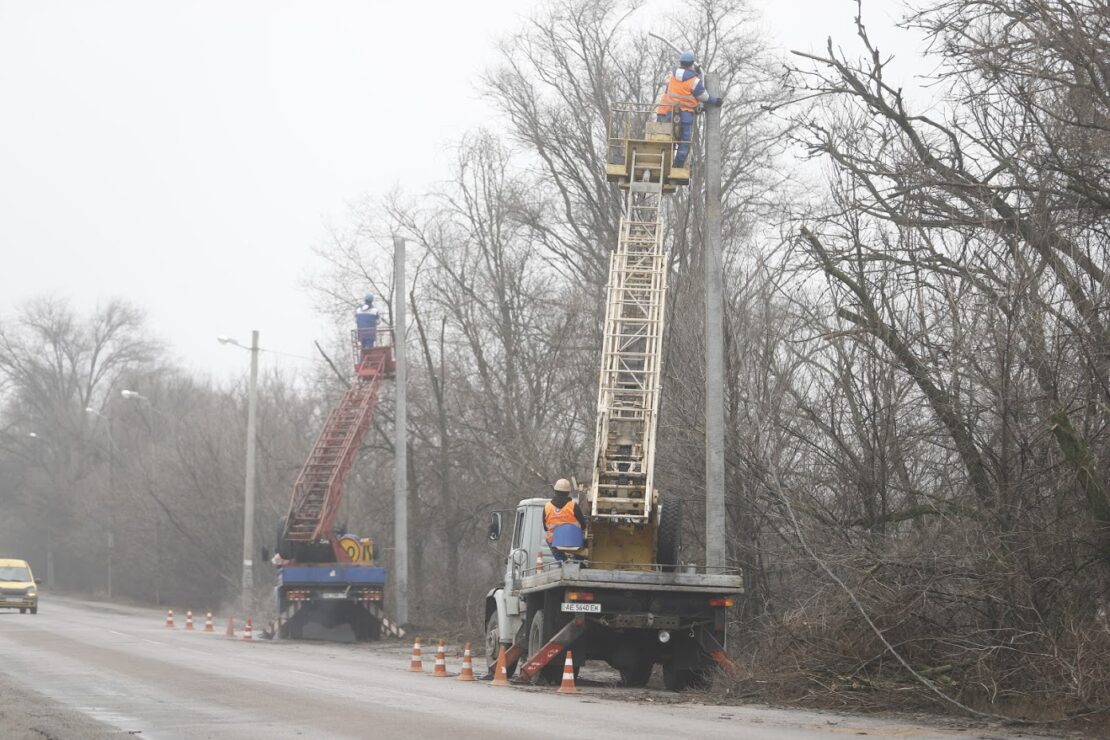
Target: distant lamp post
130 395
248 493
111 489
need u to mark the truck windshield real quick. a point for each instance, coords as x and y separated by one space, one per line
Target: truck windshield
14 573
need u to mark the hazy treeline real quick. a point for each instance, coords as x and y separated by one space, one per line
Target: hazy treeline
917 364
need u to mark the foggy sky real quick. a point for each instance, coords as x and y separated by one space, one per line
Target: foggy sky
186 155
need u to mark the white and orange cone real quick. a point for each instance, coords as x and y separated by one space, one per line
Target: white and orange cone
247 630
416 665
169 619
208 626
567 687
467 671
539 562
230 628
500 675
189 619
440 670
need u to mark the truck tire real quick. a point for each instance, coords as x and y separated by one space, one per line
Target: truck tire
668 538
538 635
493 647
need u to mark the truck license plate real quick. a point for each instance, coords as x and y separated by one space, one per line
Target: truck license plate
573 606
332 595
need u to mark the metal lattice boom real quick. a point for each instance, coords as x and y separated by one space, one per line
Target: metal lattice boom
628 393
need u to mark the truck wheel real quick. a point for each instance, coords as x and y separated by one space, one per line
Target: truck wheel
638 675
680 679
493 647
668 539
538 635
35 609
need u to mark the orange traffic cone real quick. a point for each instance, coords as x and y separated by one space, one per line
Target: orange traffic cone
539 562
208 626
416 665
467 672
169 618
230 627
189 619
500 676
440 670
567 686
247 630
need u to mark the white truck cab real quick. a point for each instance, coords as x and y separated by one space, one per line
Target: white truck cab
527 542
631 619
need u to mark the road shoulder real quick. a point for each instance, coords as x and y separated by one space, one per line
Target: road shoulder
28 715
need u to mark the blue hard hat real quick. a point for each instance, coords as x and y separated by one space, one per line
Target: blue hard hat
369 299
686 57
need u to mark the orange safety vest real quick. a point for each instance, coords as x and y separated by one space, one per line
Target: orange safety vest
679 93
553 517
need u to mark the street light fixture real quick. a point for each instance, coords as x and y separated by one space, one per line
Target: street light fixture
248 493
133 395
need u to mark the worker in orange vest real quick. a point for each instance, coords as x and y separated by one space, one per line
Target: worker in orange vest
563 521
683 93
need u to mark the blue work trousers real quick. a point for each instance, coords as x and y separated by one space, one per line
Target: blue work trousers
686 128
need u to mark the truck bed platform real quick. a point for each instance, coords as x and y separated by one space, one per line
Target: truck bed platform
335 573
560 575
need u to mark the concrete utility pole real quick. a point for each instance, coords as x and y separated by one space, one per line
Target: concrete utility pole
400 443
715 553
248 494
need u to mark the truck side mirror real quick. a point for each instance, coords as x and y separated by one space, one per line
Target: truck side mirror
494 533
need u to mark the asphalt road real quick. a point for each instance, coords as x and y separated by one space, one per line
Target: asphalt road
86 669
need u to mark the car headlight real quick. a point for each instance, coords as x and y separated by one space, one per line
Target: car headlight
30 591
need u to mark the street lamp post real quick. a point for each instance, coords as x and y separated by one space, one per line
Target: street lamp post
248 494
158 538
111 490
49 539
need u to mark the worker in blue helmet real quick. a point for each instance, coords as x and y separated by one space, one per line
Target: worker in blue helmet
366 320
683 92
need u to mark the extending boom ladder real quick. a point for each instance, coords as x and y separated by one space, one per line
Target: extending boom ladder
631 360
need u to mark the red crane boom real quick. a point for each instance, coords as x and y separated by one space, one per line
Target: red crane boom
318 491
